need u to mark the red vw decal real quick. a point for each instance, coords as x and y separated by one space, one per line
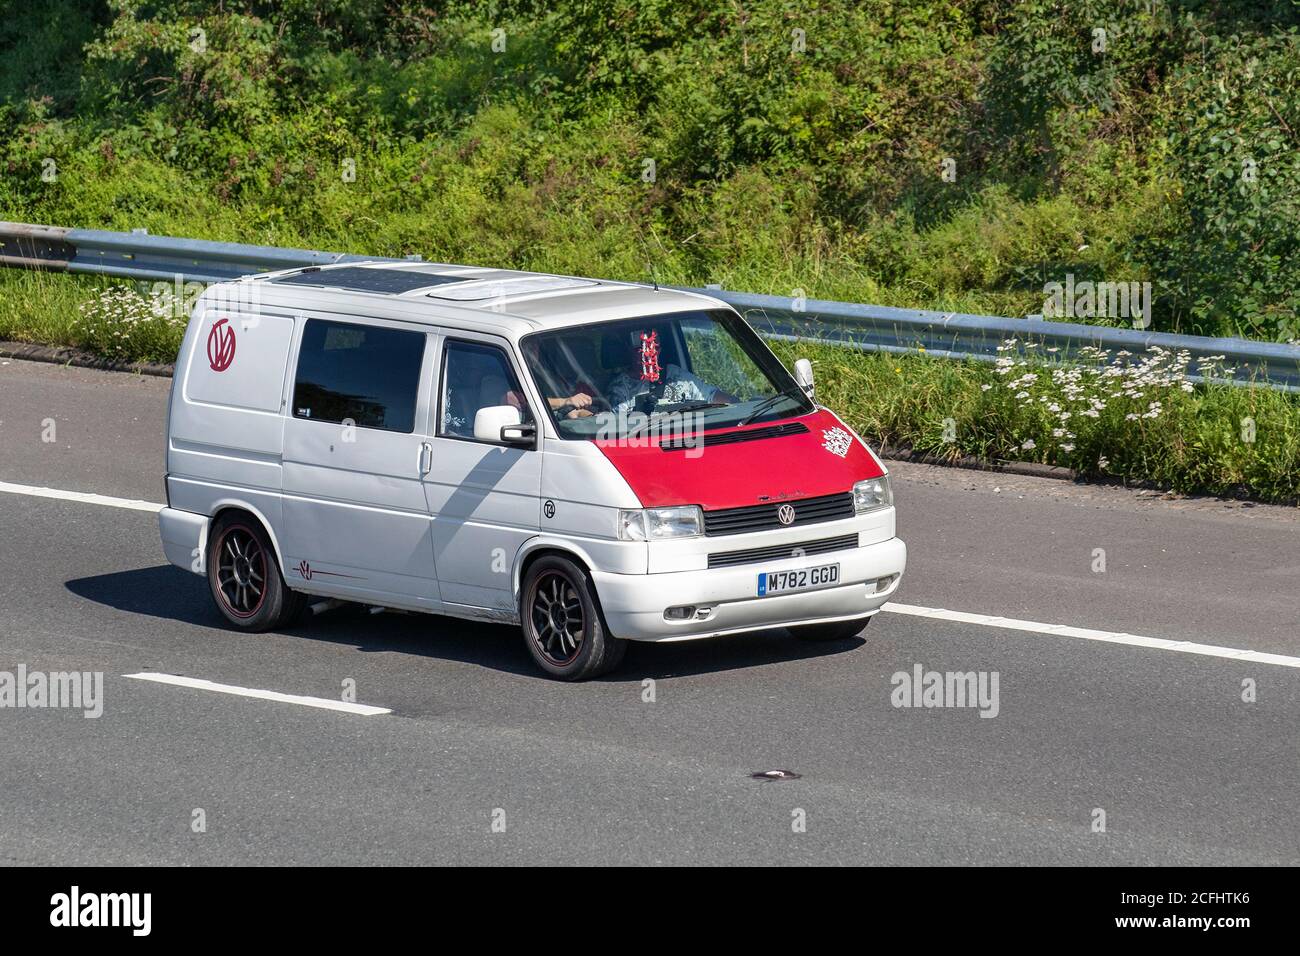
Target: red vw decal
307 572
221 345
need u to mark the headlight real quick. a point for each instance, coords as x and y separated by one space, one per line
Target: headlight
872 494
631 525
655 524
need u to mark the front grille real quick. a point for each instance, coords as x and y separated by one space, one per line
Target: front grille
764 517
779 552
732 438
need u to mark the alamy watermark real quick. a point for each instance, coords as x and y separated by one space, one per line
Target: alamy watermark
78 690
922 688
634 429
177 299
132 911
1087 300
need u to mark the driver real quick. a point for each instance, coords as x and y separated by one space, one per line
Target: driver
565 366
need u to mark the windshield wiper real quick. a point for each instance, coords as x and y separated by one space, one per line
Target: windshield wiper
679 407
693 406
768 402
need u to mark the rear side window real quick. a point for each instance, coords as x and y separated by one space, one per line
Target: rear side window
359 373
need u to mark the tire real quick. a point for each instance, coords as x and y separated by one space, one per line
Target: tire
244 576
563 626
833 631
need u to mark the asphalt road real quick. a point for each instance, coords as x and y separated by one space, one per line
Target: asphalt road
1161 740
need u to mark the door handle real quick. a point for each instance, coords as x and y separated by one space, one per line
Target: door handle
425 463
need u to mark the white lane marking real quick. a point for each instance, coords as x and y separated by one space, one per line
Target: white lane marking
940 614
324 703
1089 634
82 496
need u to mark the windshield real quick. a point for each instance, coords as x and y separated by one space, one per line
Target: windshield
667 374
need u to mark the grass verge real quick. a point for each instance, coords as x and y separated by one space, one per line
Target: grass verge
1140 420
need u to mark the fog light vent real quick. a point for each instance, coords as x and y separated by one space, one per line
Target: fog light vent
680 613
884 584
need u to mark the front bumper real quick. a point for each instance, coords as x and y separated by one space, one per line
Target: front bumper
634 604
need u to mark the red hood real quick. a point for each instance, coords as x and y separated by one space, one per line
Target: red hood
743 473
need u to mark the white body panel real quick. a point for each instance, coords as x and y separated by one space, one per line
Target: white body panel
355 523
424 521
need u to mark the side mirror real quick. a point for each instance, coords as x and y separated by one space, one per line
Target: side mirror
803 375
504 424
519 435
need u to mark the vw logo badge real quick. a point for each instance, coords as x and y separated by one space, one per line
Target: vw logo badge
785 514
221 345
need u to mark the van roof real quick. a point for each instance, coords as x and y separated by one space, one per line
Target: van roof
498 300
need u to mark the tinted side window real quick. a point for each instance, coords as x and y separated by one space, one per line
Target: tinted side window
473 377
363 373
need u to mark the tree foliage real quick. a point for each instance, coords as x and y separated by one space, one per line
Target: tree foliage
944 153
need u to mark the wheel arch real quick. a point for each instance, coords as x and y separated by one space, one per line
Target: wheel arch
540 547
228 506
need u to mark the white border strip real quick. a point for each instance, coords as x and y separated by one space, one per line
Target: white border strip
81 496
1088 634
362 710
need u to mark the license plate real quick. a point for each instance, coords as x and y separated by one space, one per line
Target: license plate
802 579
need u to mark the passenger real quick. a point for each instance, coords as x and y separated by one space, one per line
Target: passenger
629 390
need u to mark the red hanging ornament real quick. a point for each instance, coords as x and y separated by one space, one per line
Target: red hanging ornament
649 356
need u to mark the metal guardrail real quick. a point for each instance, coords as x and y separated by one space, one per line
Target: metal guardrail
978 337
137 255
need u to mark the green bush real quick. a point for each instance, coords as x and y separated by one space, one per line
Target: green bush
951 154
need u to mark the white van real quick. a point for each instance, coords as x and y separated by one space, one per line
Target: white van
598 462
